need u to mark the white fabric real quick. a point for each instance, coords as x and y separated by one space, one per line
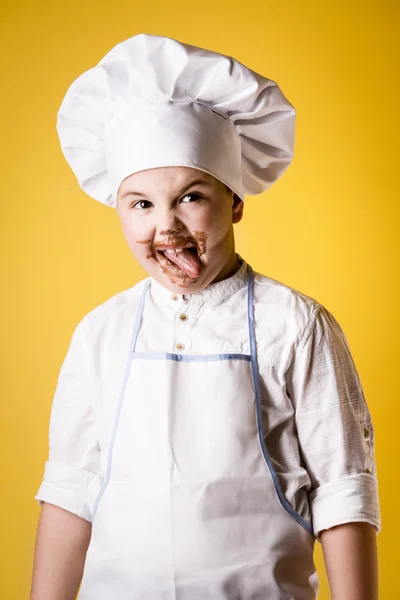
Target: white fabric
189 508
153 101
317 425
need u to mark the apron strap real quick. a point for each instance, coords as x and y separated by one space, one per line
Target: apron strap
250 315
139 314
256 382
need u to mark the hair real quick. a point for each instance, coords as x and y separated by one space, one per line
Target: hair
228 189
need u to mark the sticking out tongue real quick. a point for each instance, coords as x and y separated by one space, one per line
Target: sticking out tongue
187 260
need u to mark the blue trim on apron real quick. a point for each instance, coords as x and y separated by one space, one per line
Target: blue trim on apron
121 396
205 358
191 357
256 381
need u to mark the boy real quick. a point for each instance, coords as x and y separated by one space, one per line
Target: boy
209 422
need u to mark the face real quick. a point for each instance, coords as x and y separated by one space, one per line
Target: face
178 222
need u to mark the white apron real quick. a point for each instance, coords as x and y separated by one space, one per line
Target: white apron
191 507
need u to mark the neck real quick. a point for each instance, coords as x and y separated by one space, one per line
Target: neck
229 269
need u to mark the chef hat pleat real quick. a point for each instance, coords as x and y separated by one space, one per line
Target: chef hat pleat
153 101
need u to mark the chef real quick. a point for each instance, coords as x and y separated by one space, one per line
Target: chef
209 423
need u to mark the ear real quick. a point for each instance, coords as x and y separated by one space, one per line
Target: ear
237 209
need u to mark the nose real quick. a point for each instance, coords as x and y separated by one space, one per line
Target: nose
170 224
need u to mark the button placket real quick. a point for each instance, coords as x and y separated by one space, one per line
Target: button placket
184 326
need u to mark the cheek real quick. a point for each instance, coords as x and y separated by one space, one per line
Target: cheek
216 226
134 232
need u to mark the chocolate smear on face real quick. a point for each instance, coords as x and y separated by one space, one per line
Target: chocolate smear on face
201 238
179 257
173 272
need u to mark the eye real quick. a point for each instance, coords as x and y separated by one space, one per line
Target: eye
193 195
139 205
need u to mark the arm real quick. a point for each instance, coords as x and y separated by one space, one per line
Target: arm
336 438
351 562
72 478
61 544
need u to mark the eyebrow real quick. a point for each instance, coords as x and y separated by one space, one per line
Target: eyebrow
193 183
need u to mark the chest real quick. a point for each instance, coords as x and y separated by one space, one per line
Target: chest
192 333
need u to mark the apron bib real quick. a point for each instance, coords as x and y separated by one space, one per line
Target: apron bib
191 507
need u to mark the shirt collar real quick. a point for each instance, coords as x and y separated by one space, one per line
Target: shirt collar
213 292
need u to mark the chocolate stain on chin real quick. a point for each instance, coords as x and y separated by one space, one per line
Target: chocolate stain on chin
170 269
173 272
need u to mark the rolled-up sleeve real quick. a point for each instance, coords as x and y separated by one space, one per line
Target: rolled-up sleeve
334 426
72 471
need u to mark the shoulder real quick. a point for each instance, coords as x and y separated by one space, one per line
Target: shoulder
287 311
112 315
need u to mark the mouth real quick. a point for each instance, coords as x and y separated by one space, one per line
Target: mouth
178 262
179 257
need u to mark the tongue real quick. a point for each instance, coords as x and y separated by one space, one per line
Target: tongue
187 261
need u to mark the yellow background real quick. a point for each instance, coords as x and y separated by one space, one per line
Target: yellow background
329 227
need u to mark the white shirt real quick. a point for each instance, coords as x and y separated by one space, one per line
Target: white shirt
316 422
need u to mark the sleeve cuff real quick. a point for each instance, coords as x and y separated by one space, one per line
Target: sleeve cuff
70 488
351 499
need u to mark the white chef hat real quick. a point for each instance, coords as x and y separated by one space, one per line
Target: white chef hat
153 101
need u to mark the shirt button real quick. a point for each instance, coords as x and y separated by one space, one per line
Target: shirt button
180 346
174 297
183 317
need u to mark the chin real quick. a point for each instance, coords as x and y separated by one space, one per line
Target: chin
179 286
177 282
